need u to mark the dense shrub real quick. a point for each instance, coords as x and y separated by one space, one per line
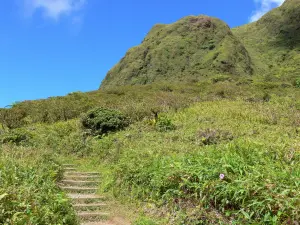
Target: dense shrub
101 121
297 83
13 118
137 102
164 123
17 136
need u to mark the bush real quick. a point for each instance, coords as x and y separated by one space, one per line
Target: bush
101 121
17 136
297 83
164 124
220 78
211 136
13 118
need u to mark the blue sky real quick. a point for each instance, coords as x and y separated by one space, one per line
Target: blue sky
54 47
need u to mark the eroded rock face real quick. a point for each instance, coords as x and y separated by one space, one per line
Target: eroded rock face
202 22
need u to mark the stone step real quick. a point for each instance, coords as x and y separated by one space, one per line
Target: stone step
81 177
85 198
98 223
79 189
68 165
81 183
89 207
82 173
93 216
71 169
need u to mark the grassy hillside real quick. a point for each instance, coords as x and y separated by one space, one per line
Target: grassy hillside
172 166
208 134
199 46
273 42
181 138
28 191
143 101
192 48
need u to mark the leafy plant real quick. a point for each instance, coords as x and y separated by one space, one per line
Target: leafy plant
164 124
28 189
101 121
297 83
18 136
144 221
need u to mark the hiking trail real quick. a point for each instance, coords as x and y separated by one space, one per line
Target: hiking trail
91 208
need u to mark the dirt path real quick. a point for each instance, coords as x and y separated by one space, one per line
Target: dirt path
92 209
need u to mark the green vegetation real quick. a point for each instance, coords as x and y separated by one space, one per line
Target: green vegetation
164 124
28 191
220 144
190 49
172 155
273 42
257 151
197 47
144 101
101 121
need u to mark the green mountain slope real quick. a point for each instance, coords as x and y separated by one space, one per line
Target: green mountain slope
200 46
193 47
274 41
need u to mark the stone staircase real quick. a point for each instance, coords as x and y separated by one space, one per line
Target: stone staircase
81 188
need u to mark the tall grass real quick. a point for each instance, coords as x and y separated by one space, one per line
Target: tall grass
253 144
28 189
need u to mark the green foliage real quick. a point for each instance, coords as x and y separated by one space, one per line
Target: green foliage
246 128
211 136
179 170
189 49
221 78
13 118
28 190
297 83
101 121
164 124
266 97
17 136
138 102
144 221
273 42
260 164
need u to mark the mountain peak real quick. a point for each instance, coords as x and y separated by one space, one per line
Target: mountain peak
191 48
274 40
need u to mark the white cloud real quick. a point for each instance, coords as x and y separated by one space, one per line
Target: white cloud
264 7
53 9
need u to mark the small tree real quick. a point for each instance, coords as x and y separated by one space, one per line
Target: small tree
12 118
101 121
